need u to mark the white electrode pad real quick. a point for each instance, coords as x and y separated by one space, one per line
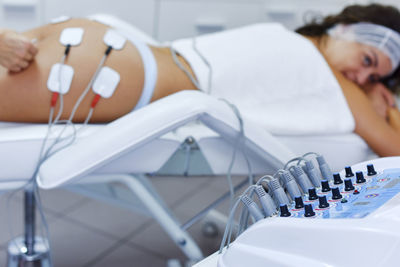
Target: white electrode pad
106 82
60 82
114 39
59 19
71 36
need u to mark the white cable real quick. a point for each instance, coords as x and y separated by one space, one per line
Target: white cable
80 99
311 153
179 64
241 136
75 108
265 177
89 116
188 74
210 70
32 180
229 227
292 160
241 139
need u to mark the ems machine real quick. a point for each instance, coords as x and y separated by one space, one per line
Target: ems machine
352 219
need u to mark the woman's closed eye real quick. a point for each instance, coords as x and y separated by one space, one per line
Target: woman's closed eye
367 61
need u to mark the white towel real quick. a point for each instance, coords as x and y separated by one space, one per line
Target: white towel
275 77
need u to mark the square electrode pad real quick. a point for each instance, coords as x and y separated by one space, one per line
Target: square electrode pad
114 39
71 36
106 82
60 82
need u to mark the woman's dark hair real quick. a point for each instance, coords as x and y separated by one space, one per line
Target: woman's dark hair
387 16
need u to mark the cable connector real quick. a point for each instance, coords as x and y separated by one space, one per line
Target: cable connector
312 173
301 178
266 201
108 51
290 184
324 168
54 98
95 100
67 49
253 208
278 192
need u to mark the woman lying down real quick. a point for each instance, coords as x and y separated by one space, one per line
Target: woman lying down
325 78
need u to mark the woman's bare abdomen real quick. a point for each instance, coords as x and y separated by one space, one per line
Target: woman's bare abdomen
24 96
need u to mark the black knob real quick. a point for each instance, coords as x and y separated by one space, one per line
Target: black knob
371 170
348 185
312 194
360 178
325 186
336 193
308 211
284 211
323 202
349 172
298 203
337 179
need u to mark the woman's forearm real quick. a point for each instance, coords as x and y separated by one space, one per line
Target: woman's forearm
393 115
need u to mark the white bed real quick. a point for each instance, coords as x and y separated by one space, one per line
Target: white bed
189 133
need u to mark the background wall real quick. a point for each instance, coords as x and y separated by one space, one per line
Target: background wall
171 19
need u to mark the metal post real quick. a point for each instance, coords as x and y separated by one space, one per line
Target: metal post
29 250
29 211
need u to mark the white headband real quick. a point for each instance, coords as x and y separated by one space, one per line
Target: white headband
381 37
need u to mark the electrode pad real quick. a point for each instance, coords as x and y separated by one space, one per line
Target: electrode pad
71 36
114 39
60 82
106 82
59 19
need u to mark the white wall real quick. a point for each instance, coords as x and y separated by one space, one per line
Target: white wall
185 18
138 12
20 14
171 19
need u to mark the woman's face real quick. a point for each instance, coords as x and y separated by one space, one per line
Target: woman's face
359 63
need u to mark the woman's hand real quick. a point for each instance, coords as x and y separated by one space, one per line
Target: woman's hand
381 98
16 51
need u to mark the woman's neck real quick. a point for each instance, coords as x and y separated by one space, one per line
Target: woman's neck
320 42
324 46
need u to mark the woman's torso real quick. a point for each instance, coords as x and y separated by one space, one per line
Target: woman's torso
34 106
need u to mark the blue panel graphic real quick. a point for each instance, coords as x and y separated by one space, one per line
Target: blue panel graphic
365 199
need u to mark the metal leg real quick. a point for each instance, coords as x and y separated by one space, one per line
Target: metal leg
29 212
29 250
162 215
17 256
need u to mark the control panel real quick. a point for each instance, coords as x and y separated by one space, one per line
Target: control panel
308 217
355 195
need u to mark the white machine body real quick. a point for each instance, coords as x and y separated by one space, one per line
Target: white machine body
114 39
106 82
71 36
60 82
365 232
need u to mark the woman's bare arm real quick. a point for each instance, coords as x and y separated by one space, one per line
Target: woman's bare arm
381 136
393 115
381 98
